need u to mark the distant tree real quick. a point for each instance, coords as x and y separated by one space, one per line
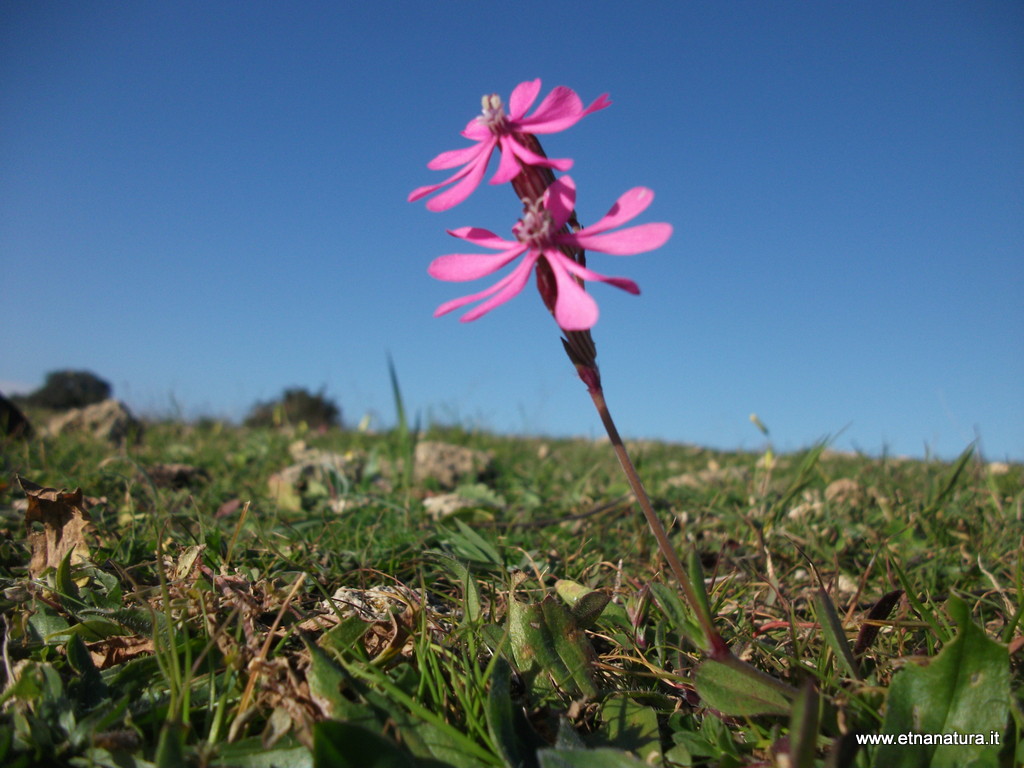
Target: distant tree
69 389
295 405
12 420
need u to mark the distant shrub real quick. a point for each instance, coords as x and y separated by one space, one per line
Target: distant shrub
12 420
294 406
69 389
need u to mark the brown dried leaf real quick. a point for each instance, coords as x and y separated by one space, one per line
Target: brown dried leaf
390 636
119 649
64 520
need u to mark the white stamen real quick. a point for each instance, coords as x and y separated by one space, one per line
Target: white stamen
536 226
493 113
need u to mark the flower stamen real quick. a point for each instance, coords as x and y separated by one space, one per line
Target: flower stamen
536 227
494 116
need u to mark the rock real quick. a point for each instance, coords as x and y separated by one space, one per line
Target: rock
350 464
12 421
715 475
847 585
448 465
809 506
109 420
315 473
446 504
845 491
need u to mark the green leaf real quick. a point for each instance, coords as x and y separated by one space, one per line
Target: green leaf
585 602
474 546
250 753
630 725
34 681
964 690
435 745
344 638
472 608
93 630
922 610
90 689
326 680
803 727
835 636
424 731
566 736
170 749
406 437
135 620
545 637
345 745
67 590
947 483
737 692
515 740
50 628
677 613
588 758
703 608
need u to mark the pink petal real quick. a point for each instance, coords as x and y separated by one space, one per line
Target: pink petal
560 199
575 309
482 237
509 168
619 282
455 157
629 205
511 286
560 109
474 168
462 301
522 98
419 192
459 267
476 130
532 158
600 102
506 288
473 173
625 242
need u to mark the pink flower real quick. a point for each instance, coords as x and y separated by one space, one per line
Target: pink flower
539 234
560 109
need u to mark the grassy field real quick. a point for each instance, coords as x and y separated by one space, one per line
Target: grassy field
217 618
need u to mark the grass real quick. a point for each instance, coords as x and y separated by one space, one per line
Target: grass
536 628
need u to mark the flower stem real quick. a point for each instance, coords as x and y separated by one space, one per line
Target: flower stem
715 645
530 185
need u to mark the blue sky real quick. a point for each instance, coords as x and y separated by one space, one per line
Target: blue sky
205 203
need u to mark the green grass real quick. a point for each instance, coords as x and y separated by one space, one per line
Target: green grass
537 629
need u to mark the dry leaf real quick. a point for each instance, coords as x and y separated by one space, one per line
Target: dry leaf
64 522
118 649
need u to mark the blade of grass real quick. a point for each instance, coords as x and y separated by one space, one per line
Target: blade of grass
834 634
918 606
406 438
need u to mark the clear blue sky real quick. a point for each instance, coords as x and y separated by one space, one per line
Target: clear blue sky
205 203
